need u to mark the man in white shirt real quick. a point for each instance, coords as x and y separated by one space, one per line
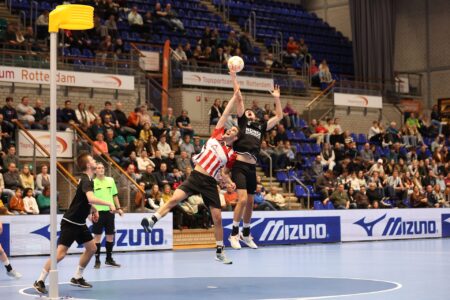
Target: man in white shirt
164 147
135 20
275 198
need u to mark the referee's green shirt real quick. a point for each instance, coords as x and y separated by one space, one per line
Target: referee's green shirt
104 189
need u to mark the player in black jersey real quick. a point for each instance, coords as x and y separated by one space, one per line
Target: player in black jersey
247 147
73 225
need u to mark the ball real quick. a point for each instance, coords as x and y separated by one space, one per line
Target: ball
236 64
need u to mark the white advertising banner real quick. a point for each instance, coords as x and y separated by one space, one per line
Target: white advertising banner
67 78
150 61
224 81
358 100
64 143
30 235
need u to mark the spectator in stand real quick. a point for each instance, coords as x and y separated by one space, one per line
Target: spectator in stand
115 151
392 134
177 178
327 156
143 161
148 24
146 137
259 112
339 198
440 197
30 204
42 25
317 168
186 146
373 195
111 25
43 201
42 179
232 40
375 133
6 133
67 116
26 178
291 115
231 197
26 114
184 124
155 200
135 20
418 199
172 16
179 56
361 199
99 146
275 198
164 147
170 121
9 113
121 120
41 118
107 111
82 115
395 188
245 44
91 114
10 157
325 184
319 133
367 156
378 167
183 162
197 145
324 75
134 119
96 128
292 48
16 204
302 48
162 176
214 112
148 178
259 202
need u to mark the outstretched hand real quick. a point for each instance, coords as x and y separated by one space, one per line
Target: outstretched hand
276 91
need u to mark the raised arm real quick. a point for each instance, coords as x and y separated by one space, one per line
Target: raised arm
278 110
237 95
239 100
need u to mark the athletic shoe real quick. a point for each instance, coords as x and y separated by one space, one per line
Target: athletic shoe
234 241
148 224
14 274
97 264
39 286
80 283
223 259
111 262
248 240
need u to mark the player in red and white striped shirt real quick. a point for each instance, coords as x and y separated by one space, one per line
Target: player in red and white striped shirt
211 165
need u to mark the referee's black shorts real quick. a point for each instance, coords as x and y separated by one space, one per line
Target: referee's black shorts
198 183
105 222
72 232
244 176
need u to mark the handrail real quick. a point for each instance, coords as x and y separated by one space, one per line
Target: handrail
270 166
33 8
133 45
324 92
59 165
303 186
91 142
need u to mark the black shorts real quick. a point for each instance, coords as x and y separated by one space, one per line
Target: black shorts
71 232
198 183
106 222
244 176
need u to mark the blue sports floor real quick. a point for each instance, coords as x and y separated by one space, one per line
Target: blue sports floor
414 269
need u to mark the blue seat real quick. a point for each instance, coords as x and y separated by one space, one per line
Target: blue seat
282 176
362 138
330 205
318 205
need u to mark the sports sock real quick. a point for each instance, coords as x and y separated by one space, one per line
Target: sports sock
43 275
109 247
97 254
235 230
8 268
79 272
246 229
219 246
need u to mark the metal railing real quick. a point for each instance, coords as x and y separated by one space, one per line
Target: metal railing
313 103
277 47
270 165
33 13
250 25
224 8
308 195
113 168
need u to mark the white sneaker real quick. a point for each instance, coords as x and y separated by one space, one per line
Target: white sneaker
234 241
14 274
223 258
248 240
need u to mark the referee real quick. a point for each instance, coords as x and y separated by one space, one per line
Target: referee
105 188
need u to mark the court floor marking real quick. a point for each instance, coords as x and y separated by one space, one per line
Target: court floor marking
397 286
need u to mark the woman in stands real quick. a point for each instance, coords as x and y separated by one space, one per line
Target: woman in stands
216 156
247 147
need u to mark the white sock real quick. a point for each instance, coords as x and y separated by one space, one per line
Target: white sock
6 262
219 243
79 272
246 225
157 215
43 275
236 224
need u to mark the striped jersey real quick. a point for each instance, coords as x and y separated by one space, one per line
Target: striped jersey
215 155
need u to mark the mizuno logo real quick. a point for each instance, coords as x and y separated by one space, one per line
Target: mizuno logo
277 230
368 227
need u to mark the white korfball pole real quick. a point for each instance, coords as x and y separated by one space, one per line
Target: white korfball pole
73 17
53 275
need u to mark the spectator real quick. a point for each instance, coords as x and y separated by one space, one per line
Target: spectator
232 40
245 44
135 20
290 115
16 204
169 119
327 157
172 16
325 184
197 145
186 145
162 176
143 161
275 198
395 188
214 112
30 204
184 124
42 25
10 157
183 162
43 201
259 202
418 199
373 195
111 25
114 149
361 199
157 159
392 135
324 74
155 199
339 198
100 147
121 120
179 55
292 48
146 137
378 167
375 133
164 147
148 178
91 114
9 112
367 155
317 167
26 178
12 180
67 116
440 197
26 114
6 133
303 48
231 197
